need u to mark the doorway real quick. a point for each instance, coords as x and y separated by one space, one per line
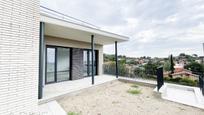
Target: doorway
88 63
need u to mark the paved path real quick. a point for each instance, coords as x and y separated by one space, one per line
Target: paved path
51 108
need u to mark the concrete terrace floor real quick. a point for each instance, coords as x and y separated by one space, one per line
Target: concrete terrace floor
55 90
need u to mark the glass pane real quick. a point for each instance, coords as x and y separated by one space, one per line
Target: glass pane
90 63
85 59
63 63
50 65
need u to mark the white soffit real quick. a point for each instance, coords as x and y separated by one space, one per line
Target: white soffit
64 29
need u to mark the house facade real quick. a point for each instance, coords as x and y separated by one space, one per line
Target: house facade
39 47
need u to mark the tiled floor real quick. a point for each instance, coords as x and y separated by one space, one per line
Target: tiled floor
57 89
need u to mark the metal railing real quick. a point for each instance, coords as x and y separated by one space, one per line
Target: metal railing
52 13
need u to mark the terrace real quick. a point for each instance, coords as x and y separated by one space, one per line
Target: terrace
58 90
124 98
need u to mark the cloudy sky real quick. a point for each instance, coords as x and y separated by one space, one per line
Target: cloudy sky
155 27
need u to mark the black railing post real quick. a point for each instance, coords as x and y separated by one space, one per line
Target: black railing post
201 83
116 59
160 78
92 58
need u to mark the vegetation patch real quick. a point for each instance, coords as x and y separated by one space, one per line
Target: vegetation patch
182 81
134 91
72 113
134 86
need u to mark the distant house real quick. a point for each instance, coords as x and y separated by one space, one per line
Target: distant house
179 67
185 74
182 73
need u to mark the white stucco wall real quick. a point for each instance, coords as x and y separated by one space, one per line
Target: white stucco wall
19 56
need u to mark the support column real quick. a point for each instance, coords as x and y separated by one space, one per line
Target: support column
92 58
41 61
116 59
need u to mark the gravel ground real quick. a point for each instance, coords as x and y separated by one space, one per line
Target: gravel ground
113 99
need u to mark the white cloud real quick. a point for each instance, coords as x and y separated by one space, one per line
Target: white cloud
155 27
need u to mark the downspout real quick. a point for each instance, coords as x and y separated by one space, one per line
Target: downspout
41 61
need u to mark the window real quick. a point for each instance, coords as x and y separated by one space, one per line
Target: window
57 64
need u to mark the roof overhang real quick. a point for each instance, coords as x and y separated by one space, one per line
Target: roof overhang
64 29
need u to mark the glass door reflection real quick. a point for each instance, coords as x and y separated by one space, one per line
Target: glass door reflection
57 64
63 64
50 65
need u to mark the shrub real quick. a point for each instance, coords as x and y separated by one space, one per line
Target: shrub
182 81
177 79
135 86
72 113
187 81
167 78
134 91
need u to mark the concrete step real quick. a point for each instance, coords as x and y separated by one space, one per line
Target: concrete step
51 108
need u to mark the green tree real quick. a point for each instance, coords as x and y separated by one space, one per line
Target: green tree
167 66
108 57
139 72
195 67
182 55
150 68
171 64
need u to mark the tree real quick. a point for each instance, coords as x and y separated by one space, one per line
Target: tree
182 55
139 72
167 66
195 67
195 55
150 68
172 64
108 57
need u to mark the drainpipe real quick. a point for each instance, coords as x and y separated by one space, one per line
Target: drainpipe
41 60
92 58
116 59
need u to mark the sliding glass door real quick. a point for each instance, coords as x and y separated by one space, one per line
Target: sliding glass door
58 64
63 64
88 63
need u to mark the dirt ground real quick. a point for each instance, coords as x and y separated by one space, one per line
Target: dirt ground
113 99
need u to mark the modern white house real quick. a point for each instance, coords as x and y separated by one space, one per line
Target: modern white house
39 47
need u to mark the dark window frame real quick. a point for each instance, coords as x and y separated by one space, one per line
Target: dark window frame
88 62
55 71
70 66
